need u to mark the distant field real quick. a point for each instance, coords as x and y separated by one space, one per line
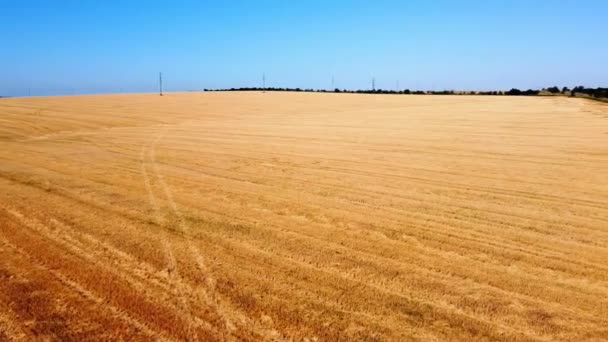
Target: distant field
261 216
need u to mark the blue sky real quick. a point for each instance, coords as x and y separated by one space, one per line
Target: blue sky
62 47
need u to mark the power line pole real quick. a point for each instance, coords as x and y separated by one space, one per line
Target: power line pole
160 83
264 80
373 84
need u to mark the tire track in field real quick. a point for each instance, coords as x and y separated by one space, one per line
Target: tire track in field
228 314
172 270
208 280
159 219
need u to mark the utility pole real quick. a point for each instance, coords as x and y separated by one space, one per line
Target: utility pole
160 83
264 81
373 84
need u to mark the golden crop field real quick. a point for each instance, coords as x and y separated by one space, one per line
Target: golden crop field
302 216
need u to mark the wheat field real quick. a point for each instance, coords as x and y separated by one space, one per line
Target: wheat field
300 216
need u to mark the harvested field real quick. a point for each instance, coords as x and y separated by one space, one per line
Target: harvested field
280 216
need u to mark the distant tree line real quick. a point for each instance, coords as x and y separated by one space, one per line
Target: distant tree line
529 92
591 92
597 92
359 91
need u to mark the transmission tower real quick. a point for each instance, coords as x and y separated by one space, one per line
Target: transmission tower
160 83
373 84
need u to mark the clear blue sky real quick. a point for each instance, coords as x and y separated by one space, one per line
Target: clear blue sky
69 46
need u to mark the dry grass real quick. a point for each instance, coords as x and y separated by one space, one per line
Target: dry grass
248 216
